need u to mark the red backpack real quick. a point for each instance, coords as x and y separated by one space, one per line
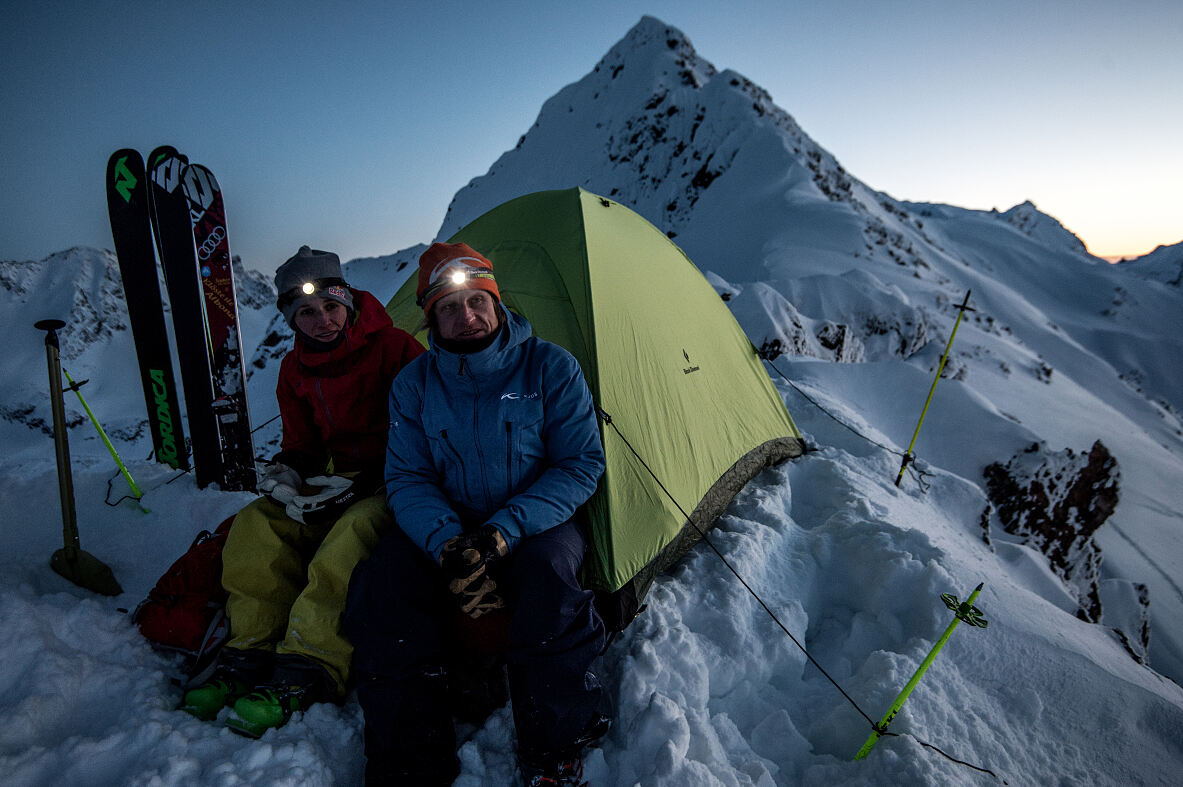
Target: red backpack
186 611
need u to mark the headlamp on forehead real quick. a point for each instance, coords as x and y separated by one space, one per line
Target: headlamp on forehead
453 275
313 287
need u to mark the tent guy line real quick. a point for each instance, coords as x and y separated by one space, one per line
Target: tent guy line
876 728
917 472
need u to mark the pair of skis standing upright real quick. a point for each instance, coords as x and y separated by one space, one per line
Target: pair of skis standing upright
180 206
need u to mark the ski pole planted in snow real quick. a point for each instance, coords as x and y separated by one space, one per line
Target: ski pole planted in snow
79 567
75 387
908 457
967 612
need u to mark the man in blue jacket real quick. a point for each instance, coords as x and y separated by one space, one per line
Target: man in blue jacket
493 446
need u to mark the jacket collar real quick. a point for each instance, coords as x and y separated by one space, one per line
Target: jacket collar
489 360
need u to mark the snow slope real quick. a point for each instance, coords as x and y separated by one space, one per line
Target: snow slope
859 292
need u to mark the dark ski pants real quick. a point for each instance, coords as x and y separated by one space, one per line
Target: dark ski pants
405 628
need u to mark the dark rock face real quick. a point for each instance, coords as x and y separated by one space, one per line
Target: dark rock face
1055 501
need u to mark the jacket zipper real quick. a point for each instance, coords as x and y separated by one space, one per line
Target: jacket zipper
320 394
509 456
456 456
476 431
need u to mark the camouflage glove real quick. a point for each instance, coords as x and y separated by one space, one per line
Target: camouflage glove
280 483
466 560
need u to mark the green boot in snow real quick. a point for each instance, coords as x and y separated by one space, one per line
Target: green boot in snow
209 698
268 707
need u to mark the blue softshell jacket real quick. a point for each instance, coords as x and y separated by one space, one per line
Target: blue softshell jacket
506 436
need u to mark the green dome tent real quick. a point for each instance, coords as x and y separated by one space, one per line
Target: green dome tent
688 414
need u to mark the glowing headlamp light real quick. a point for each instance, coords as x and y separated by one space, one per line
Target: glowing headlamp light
309 288
452 274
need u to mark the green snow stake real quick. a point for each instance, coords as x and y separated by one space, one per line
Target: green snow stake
135 490
967 612
908 457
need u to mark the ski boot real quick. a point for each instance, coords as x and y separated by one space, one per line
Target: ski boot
558 773
298 684
563 767
208 699
232 676
268 707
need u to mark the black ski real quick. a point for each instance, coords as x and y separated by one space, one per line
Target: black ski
227 365
174 240
127 203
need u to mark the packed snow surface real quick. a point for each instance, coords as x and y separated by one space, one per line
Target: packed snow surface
708 690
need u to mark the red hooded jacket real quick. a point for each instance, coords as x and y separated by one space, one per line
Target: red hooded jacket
334 404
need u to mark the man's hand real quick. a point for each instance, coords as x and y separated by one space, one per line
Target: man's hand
466 560
280 483
336 494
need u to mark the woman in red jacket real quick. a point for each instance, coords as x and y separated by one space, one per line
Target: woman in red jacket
289 555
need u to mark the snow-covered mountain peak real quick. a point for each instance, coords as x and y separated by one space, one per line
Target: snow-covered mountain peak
653 126
80 286
1029 220
663 54
707 157
1164 264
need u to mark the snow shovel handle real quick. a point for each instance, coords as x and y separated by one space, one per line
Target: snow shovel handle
71 562
60 440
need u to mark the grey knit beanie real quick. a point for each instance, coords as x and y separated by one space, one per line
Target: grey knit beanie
308 274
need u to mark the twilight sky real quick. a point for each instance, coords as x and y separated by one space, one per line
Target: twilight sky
350 125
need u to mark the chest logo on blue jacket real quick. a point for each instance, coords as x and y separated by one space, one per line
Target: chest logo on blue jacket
513 396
